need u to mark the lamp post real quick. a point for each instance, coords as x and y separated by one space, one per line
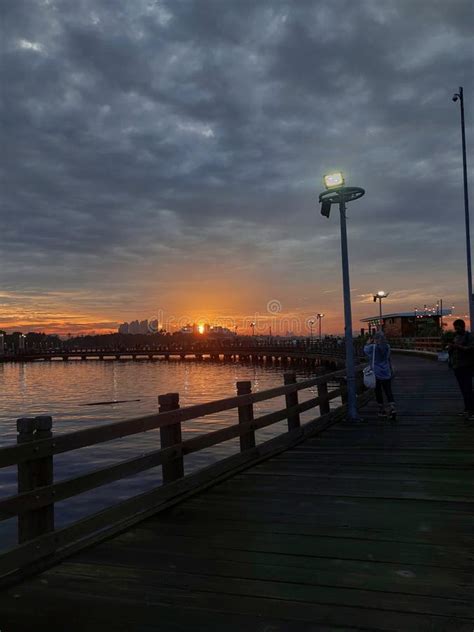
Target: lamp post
379 296
336 192
252 325
320 317
311 323
459 96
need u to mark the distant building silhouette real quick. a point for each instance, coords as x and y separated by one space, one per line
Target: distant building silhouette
138 327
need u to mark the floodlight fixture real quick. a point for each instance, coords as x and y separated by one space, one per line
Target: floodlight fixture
334 180
326 208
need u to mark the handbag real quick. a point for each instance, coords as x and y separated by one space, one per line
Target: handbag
443 356
368 372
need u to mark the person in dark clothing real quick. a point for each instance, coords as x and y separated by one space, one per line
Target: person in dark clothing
461 360
378 351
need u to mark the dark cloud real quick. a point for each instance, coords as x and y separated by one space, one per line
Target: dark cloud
169 134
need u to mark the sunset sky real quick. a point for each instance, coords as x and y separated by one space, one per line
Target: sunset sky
164 159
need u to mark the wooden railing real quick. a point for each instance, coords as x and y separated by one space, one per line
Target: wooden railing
41 545
417 344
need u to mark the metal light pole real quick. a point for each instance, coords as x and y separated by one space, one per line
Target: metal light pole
337 193
320 317
379 296
252 325
311 323
460 96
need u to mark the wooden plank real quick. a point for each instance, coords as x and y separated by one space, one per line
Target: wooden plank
192 607
428 526
390 577
362 549
273 586
382 489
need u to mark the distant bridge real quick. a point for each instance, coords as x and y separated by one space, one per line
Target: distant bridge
308 353
331 352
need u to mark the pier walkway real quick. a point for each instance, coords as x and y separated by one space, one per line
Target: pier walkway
365 527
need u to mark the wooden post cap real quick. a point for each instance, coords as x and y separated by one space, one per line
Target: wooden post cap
44 422
169 401
26 425
244 386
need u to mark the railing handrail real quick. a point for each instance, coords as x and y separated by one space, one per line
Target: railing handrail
40 544
27 501
12 455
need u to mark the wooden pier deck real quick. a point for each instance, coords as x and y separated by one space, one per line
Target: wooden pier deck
368 527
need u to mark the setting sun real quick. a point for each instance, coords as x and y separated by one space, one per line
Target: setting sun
201 329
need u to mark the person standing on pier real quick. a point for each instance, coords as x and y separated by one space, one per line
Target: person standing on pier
378 351
461 360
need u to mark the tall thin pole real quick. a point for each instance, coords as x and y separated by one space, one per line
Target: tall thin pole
320 337
466 210
351 386
380 313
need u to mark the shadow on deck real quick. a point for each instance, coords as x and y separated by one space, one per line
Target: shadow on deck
367 527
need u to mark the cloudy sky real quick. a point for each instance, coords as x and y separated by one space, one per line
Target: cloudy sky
164 158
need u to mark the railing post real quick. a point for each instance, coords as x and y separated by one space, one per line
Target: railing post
324 406
170 436
44 474
343 386
292 401
247 440
33 474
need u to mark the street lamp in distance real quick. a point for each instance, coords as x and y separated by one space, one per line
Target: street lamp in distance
378 297
311 323
320 318
459 96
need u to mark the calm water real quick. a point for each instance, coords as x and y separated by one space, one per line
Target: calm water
65 390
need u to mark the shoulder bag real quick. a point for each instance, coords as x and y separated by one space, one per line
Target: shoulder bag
369 375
